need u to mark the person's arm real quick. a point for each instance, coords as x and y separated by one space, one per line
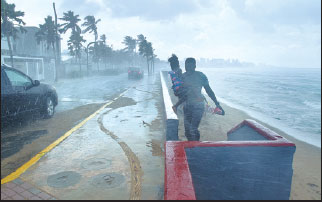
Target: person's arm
181 100
211 94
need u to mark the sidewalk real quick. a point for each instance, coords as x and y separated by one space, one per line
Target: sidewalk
20 190
118 154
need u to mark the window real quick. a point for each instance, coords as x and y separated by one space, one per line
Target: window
18 79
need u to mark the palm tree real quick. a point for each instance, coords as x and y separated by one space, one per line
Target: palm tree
103 38
143 51
141 38
91 25
71 22
75 40
130 44
47 33
146 50
9 19
149 54
104 49
75 46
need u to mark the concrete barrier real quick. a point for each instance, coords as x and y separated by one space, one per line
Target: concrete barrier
256 165
172 121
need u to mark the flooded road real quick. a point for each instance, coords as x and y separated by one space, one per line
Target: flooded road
118 154
78 98
93 90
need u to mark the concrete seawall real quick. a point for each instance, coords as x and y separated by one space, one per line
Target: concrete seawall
172 120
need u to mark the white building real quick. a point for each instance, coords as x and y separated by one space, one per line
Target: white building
30 57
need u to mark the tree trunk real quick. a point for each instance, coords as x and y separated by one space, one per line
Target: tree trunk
10 50
153 64
147 61
80 65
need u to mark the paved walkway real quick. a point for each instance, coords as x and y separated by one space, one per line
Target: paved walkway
116 155
20 190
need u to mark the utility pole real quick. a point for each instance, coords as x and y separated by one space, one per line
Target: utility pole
58 51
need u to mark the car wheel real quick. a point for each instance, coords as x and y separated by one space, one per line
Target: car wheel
49 108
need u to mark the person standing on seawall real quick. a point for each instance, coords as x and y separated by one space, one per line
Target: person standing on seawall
194 105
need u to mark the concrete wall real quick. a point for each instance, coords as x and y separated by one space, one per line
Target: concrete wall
172 121
241 173
245 133
228 170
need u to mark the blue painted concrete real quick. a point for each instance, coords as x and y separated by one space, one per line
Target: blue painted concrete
241 173
172 129
245 133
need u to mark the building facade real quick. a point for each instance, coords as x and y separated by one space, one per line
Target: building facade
30 57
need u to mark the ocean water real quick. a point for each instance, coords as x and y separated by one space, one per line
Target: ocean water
286 98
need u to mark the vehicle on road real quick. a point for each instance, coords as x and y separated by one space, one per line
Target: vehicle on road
135 72
21 96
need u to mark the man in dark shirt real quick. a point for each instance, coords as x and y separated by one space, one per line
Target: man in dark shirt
194 106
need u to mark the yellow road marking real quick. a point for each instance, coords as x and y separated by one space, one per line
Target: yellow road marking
33 160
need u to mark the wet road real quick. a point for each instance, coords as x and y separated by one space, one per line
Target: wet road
78 98
83 91
118 154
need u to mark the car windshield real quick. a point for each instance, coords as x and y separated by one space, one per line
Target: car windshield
134 69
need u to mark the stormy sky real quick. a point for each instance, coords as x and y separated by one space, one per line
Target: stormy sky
275 32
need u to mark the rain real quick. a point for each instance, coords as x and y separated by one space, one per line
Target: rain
89 101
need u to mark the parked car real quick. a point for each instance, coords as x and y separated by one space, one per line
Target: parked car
21 96
135 72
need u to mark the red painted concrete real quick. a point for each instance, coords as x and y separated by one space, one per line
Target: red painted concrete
178 181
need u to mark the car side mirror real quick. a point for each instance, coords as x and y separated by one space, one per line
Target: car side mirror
36 82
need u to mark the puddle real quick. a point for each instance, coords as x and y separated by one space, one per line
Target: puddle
14 143
155 146
63 179
122 102
96 163
107 180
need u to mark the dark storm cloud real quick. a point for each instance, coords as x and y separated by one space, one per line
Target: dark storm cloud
151 10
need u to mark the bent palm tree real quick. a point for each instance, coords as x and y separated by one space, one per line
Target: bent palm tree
71 22
130 44
90 25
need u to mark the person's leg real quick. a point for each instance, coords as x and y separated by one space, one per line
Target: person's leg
197 112
187 114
